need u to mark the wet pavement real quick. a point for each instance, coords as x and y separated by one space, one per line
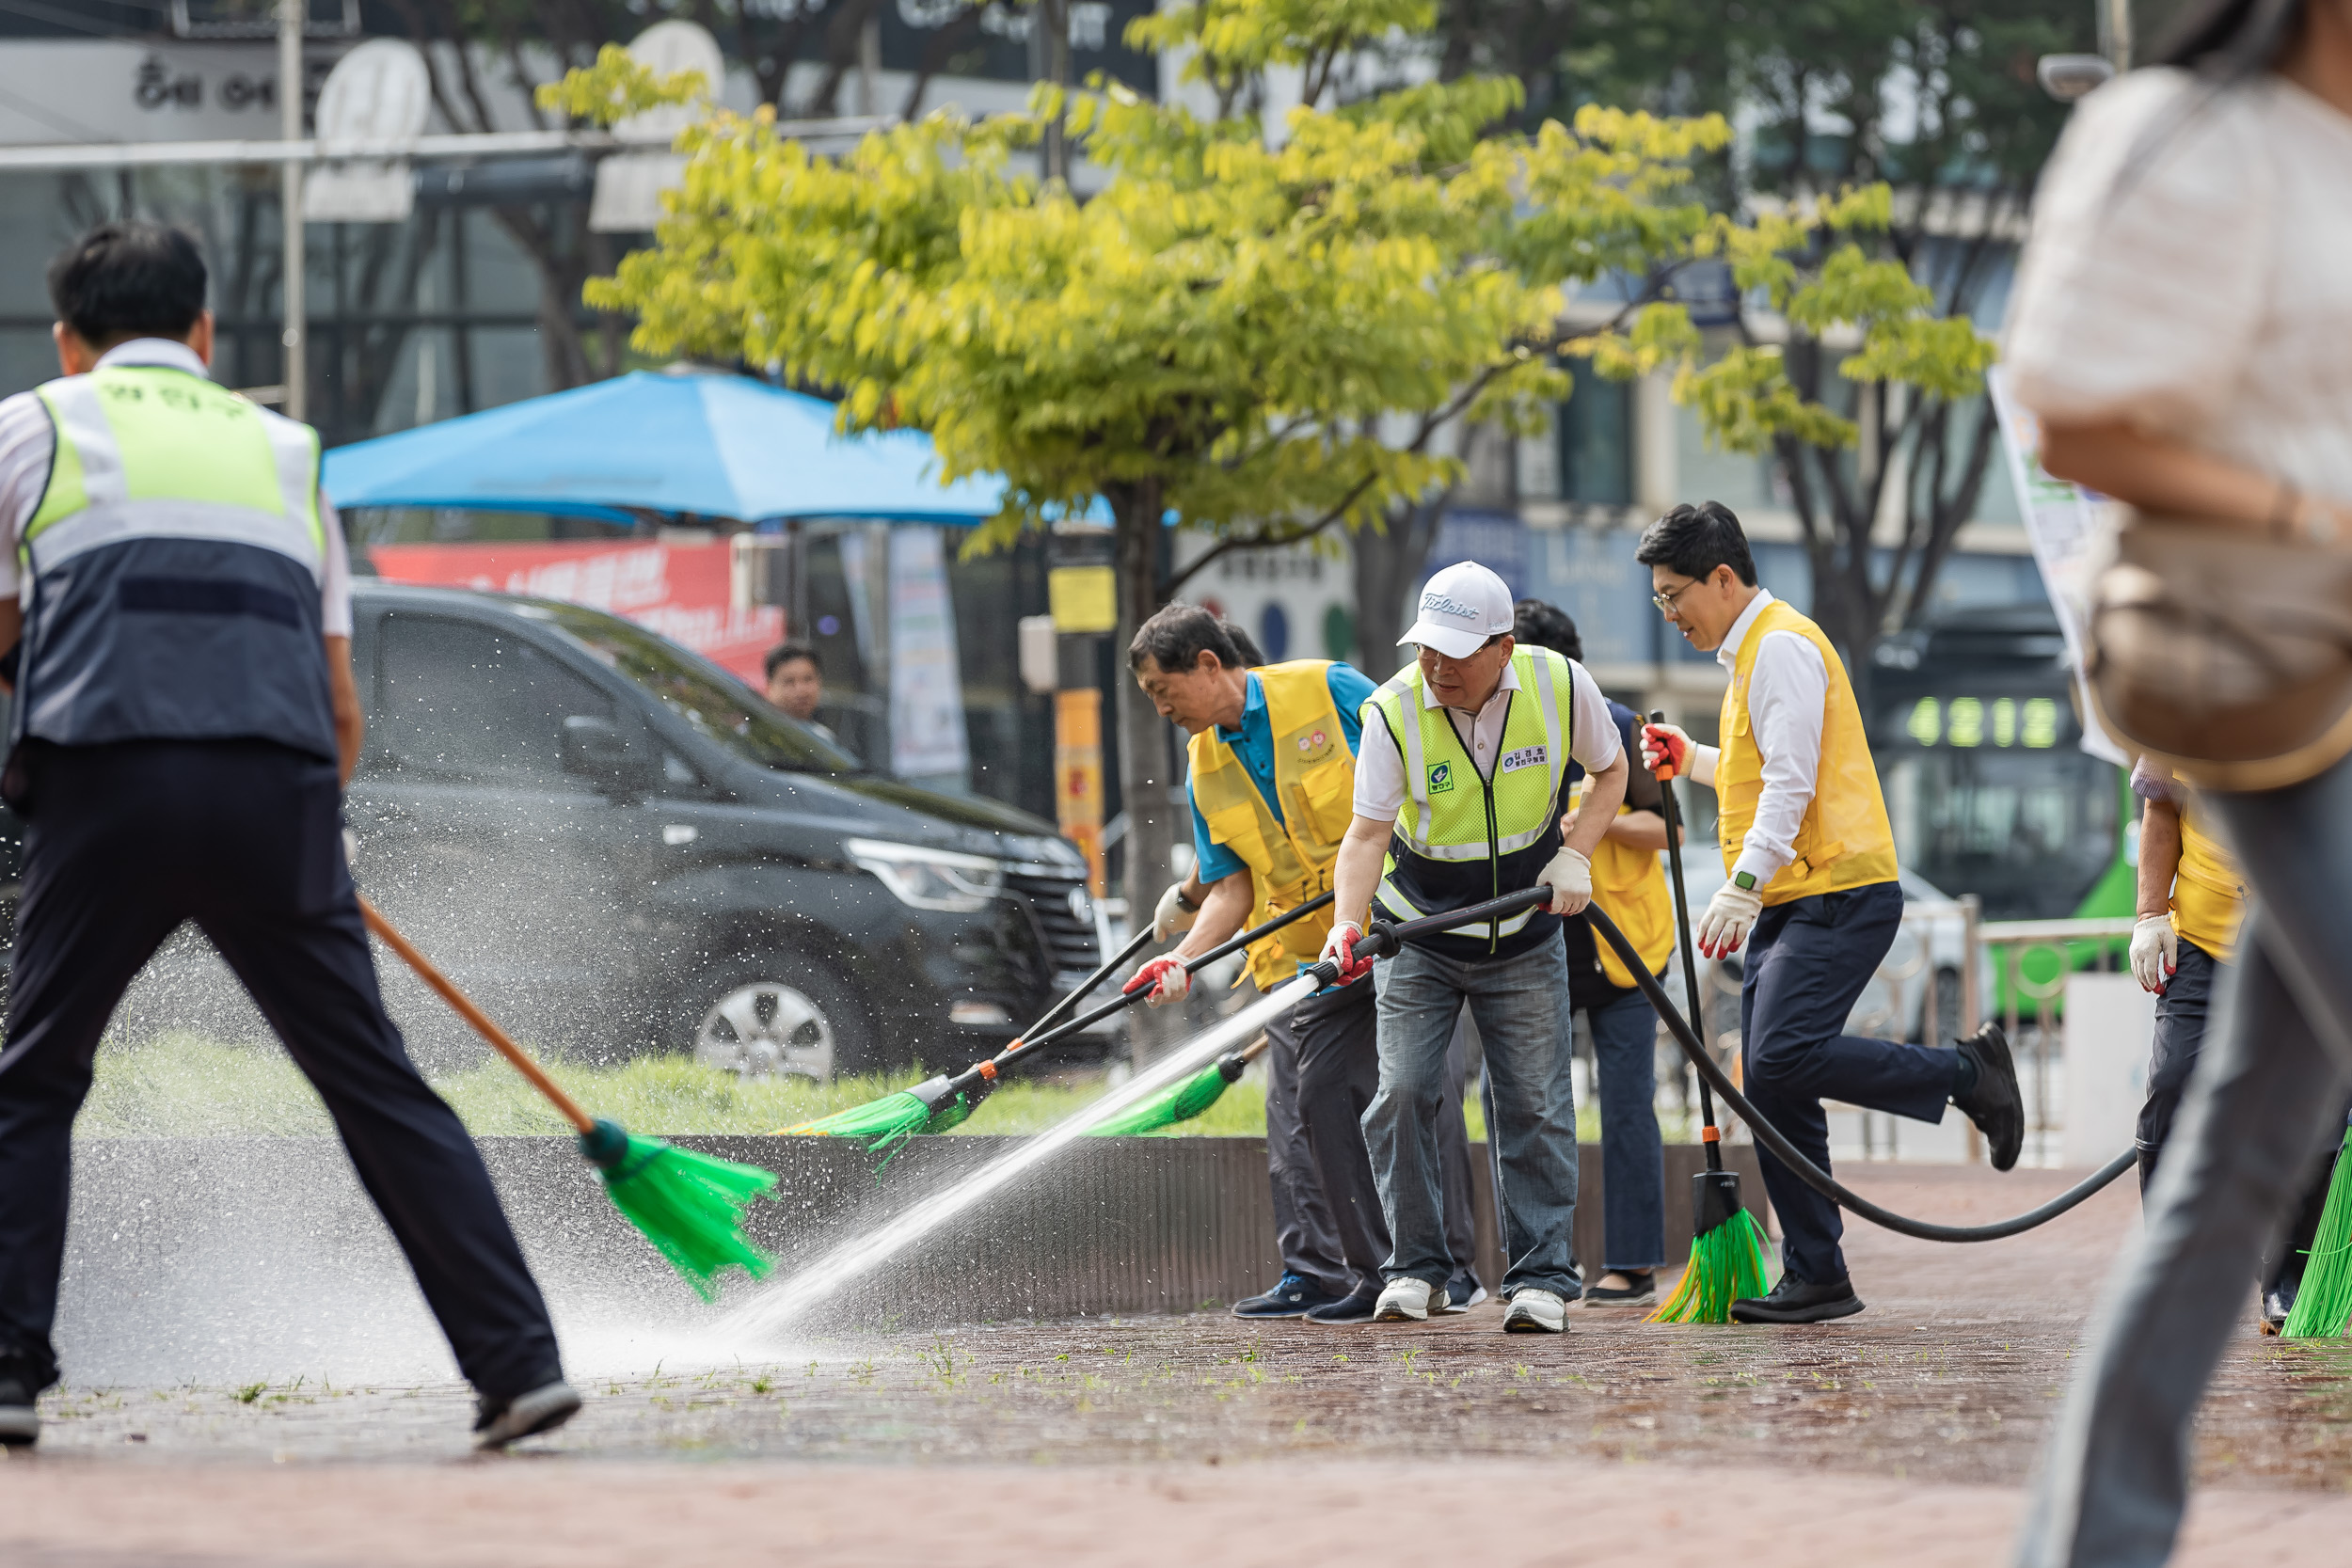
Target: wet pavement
1943 1388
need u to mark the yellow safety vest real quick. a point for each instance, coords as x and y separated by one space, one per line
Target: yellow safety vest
1844 840
1629 886
1314 777
1462 838
2208 893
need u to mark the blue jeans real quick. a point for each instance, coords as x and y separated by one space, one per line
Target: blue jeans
2264 1100
1632 1151
1807 962
1516 1004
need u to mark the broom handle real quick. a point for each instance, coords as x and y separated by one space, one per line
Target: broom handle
479 1019
1709 1134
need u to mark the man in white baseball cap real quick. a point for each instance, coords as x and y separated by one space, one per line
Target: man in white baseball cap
1460 788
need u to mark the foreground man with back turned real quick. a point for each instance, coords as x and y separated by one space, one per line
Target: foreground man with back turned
176 631
1812 895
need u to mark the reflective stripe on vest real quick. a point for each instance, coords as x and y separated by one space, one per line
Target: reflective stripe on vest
1629 886
1314 777
1461 837
2208 893
172 569
145 452
1844 840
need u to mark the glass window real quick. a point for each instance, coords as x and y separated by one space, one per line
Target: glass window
1597 442
466 701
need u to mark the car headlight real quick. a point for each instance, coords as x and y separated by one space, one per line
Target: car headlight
930 878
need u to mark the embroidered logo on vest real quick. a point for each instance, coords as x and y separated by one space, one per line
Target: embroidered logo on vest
1440 778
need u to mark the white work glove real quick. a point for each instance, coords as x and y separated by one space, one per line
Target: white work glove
1340 947
1729 913
2155 951
1569 876
1172 914
1167 978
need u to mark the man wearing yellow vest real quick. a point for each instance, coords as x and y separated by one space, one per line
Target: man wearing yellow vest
2192 900
1460 790
1629 886
1812 895
176 632
1272 773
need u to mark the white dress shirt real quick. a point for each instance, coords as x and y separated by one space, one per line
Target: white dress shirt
29 442
1788 697
1380 772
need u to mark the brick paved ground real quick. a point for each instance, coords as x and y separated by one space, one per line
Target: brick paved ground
1899 1436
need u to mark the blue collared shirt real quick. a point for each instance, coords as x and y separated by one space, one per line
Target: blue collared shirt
1253 743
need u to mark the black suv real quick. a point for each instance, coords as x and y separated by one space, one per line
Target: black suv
618 848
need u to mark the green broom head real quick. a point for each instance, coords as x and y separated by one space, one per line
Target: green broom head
933 1106
2323 1303
1177 1103
1727 1255
690 1206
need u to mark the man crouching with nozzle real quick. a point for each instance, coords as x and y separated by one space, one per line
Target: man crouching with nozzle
1460 788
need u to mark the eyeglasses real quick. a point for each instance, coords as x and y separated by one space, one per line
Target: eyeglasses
1666 602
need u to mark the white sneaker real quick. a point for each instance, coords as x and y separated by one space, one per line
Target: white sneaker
1535 1311
1407 1301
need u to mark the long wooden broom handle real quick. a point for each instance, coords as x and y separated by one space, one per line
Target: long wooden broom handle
479 1019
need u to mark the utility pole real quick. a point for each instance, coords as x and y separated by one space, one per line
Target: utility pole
290 16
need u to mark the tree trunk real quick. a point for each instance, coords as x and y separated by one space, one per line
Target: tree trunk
1147 777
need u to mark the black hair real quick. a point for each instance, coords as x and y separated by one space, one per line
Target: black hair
784 653
1251 655
1692 540
1547 625
1174 637
129 280
2229 39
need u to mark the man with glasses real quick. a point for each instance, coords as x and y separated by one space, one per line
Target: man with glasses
1461 781
1812 895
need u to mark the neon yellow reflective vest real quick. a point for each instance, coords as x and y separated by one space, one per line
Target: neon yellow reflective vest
1462 838
1844 840
1314 777
173 568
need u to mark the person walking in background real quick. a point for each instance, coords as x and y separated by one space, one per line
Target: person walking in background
1272 772
1461 791
1812 896
796 684
176 628
2179 328
2192 900
1629 886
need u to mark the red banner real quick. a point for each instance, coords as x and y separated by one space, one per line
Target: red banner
679 591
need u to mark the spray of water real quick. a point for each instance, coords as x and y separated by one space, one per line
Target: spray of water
777 1306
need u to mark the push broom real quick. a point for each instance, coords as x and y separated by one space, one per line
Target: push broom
942 1102
1727 1247
1181 1102
690 1206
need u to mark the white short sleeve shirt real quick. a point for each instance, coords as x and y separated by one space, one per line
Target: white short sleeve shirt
1380 772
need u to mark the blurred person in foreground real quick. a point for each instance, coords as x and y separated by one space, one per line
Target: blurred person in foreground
2180 327
1272 768
176 631
1461 794
1812 896
2191 905
1629 886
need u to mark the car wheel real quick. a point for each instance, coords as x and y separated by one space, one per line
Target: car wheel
770 1014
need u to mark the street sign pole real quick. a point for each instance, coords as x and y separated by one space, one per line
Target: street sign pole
291 15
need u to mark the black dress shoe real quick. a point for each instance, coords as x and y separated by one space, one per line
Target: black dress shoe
2277 1307
1994 1103
1793 1301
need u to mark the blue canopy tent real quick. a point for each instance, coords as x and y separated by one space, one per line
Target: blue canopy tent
699 443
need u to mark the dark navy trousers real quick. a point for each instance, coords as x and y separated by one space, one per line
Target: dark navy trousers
1807 961
122 843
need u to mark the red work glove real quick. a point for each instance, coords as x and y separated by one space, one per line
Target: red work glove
1662 744
1168 980
1340 947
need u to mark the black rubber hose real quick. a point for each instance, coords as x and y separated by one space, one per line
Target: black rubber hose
1811 1174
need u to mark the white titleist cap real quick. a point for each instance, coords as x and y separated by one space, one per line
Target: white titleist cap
1460 608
